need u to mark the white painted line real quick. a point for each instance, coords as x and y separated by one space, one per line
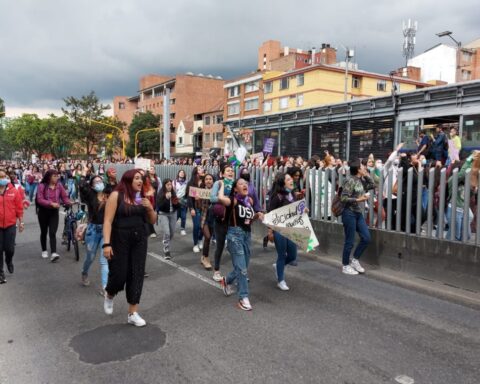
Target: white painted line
186 270
403 379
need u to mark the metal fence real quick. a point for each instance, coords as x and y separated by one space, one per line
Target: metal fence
429 210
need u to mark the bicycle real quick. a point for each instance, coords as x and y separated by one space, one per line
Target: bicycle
70 227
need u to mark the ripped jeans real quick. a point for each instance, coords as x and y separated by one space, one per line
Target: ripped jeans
238 244
93 242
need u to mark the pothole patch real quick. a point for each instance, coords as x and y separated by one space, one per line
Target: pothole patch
118 342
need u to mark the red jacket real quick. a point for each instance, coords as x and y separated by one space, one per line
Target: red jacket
11 207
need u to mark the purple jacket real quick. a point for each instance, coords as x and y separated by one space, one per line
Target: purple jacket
46 196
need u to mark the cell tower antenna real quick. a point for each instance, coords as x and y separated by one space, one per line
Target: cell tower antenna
409 31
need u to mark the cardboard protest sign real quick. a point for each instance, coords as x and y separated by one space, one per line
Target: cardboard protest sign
291 221
142 163
268 145
258 156
199 192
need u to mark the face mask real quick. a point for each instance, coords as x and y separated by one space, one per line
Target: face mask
424 162
288 189
99 187
4 182
246 177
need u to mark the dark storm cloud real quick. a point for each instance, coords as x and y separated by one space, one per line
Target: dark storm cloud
56 48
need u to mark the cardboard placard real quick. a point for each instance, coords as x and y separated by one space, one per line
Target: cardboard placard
199 192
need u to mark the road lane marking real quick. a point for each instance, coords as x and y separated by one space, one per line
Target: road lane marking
186 270
403 379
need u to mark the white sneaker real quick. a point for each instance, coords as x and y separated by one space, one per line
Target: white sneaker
108 305
182 232
196 249
356 265
283 286
153 235
217 276
54 258
135 319
348 270
45 255
245 304
200 244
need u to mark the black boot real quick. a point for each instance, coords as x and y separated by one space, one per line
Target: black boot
10 266
2 278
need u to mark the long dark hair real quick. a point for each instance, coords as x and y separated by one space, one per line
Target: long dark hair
48 176
125 185
195 178
204 177
278 186
163 190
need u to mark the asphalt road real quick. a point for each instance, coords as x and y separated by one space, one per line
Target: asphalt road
329 328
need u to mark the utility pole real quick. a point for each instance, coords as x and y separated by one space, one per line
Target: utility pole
166 123
349 53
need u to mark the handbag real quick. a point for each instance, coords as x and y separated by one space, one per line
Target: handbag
80 232
218 211
337 205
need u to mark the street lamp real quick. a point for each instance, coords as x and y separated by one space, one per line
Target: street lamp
143 130
449 34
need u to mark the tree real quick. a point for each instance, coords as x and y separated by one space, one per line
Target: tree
148 142
2 108
57 136
21 134
84 112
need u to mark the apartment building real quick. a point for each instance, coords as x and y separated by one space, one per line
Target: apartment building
188 93
209 131
324 84
449 64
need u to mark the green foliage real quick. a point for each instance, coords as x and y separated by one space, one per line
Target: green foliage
83 112
2 108
148 142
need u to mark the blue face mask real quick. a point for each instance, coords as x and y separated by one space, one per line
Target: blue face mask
288 189
99 187
424 162
4 182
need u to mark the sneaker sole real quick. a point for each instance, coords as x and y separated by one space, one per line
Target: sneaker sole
137 325
244 308
55 259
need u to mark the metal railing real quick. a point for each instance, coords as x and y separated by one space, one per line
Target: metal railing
408 203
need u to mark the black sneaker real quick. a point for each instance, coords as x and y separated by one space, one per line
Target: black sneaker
2 278
168 256
10 267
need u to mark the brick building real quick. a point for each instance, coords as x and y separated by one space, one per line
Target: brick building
208 130
189 94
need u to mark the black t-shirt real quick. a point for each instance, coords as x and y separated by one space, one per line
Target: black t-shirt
242 216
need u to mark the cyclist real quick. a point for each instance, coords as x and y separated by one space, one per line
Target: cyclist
92 193
49 197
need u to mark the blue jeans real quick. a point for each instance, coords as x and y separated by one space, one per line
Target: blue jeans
31 191
286 253
94 241
459 223
71 188
197 231
182 215
238 244
354 222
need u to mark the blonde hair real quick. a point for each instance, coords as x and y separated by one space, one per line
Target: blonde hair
475 169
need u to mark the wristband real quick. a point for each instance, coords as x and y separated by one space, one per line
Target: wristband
105 245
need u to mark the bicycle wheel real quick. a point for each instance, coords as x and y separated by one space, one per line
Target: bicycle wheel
69 238
74 240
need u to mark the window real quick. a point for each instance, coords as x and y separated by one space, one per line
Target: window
251 87
284 83
233 109
172 115
219 136
300 100
471 130
121 105
283 102
467 56
172 128
466 75
267 87
172 144
267 106
251 104
172 101
207 120
381 86
234 91
409 133
300 80
207 137
356 82
180 140
219 119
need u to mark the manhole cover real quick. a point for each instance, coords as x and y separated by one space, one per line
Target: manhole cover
117 342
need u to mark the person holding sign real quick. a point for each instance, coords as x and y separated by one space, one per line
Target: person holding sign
353 197
239 215
282 194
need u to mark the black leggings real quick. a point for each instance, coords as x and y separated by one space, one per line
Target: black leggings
7 244
48 220
127 265
220 228
207 236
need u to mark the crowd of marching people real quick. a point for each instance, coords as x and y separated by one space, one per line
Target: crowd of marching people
123 211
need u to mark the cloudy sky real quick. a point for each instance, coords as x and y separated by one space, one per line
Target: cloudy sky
51 49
